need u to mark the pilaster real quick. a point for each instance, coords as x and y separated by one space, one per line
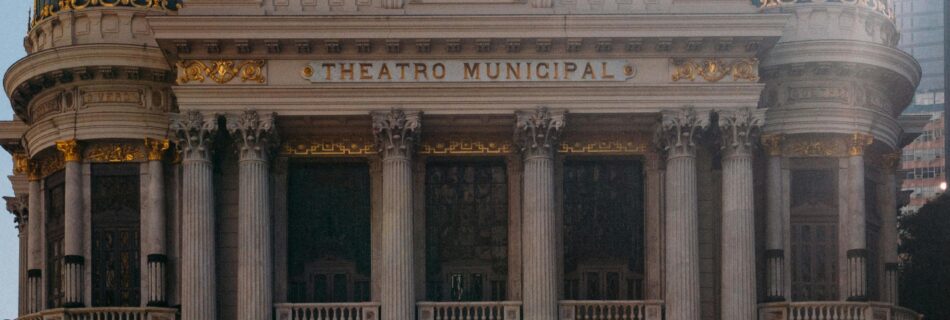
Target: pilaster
678 136
396 133
255 136
194 132
537 133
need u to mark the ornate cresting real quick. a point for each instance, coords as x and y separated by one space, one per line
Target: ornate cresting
46 8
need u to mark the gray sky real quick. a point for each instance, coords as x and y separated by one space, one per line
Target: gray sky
13 24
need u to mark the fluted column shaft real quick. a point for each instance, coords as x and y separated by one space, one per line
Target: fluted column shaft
155 242
74 260
538 134
889 229
775 221
198 280
396 132
679 130
857 221
252 133
35 270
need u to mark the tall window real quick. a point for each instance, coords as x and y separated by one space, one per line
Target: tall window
466 230
115 235
814 235
55 233
603 230
329 232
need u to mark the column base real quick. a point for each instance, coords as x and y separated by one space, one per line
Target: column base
857 275
156 280
72 281
775 275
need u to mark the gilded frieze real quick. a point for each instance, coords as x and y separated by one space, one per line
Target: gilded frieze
49 164
21 163
221 71
827 146
715 70
328 146
465 145
114 152
634 144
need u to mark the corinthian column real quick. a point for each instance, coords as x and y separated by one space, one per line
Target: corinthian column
775 220
155 217
739 129
889 227
677 136
254 135
195 132
34 273
537 133
74 261
857 219
396 133
17 206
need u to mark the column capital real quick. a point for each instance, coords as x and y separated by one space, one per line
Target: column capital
679 130
194 132
740 129
537 132
255 133
18 207
70 150
891 161
773 143
156 148
858 142
396 132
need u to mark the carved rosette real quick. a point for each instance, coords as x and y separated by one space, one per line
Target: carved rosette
195 132
156 148
538 132
679 131
858 142
70 150
773 144
740 129
396 132
255 134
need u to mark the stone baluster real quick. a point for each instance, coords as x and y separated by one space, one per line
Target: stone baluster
537 135
678 136
889 227
34 273
155 217
74 260
738 296
396 133
857 219
195 133
775 220
254 134
17 206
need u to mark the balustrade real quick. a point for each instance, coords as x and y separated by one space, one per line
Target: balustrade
488 310
835 310
612 310
105 313
328 311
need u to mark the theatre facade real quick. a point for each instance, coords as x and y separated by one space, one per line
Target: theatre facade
458 159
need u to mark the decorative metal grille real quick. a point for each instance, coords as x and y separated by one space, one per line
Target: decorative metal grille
116 266
329 232
466 230
814 235
55 233
603 229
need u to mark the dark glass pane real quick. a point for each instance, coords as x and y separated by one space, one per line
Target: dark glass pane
466 229
328 231
55 233
115 235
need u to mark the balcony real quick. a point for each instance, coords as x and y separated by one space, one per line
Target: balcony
613 310
328 311
486 310
105 313
833 310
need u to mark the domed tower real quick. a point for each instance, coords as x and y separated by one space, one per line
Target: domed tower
94 93
835 87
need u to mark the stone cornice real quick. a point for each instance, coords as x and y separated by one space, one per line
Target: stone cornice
467 26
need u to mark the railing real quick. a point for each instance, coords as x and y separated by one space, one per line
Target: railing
884 7
487 310
328 311
834 310
105 313
611 310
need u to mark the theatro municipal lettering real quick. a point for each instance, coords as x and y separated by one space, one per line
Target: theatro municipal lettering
469 71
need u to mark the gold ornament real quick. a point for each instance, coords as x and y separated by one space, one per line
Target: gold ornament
221 71
70 150
156 148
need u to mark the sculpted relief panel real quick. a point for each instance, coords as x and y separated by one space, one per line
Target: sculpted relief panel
85 97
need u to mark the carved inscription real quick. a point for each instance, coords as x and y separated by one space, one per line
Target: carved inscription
819 94
132 97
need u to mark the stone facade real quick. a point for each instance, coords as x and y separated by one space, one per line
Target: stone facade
618 159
